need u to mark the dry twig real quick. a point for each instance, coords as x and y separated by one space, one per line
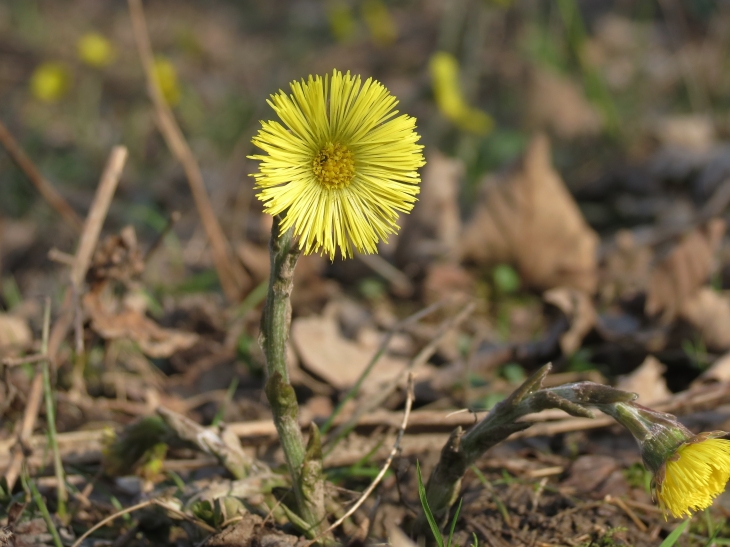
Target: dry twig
87 243
369 490
232 277
49 193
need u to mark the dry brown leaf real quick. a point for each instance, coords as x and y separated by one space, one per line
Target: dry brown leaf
529 219
709 312
153 340
255 258
694 131
15 334
647 381
432 230
117 261
626 270
339 361
558 103
678 277
578 308
398 538
117 258
718 372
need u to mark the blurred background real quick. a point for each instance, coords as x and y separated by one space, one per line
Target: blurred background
629 99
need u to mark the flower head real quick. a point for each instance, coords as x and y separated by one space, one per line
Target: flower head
444 70
95 50
694 475
50 82
689 470
342 164
166 78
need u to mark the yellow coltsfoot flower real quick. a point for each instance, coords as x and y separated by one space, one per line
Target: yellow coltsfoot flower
340 165
694 475
690 471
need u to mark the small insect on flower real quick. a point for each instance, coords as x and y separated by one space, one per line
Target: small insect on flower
342 165
694 475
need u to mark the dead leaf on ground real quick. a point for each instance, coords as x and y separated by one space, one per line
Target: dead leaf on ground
339 361
647 381
255 259
694 131
557 103
117 258
15 334
117 261
677 278
626 270
112 323
444 279
432 230
709 312
529 219
718 372
578 308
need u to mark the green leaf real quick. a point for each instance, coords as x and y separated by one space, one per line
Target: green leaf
427 510
672 538
453 523
506 279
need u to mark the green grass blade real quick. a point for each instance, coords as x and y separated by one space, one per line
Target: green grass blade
427 510
672 538
453 523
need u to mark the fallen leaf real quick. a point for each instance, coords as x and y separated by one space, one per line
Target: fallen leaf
338 361
432 230
683 271
718 372
15 334
255 258
578 308
153 340
444 279
117 258
709 312
694 131
588 472
557 103
647 381
116 310
529 219
398 538
626 269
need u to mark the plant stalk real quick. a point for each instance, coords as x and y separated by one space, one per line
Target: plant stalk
307 484
463 449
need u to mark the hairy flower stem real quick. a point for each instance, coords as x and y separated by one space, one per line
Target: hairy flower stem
463 449
275 322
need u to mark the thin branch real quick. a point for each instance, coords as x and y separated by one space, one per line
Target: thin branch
87 243
232 277
49 193
376 357
421 358
110 518
99 209
369 490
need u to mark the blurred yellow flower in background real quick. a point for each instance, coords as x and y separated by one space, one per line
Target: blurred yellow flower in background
95 50
340 165
380 23
50 81
342 23
166 77
444 70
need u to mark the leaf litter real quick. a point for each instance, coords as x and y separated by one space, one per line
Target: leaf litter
623 282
